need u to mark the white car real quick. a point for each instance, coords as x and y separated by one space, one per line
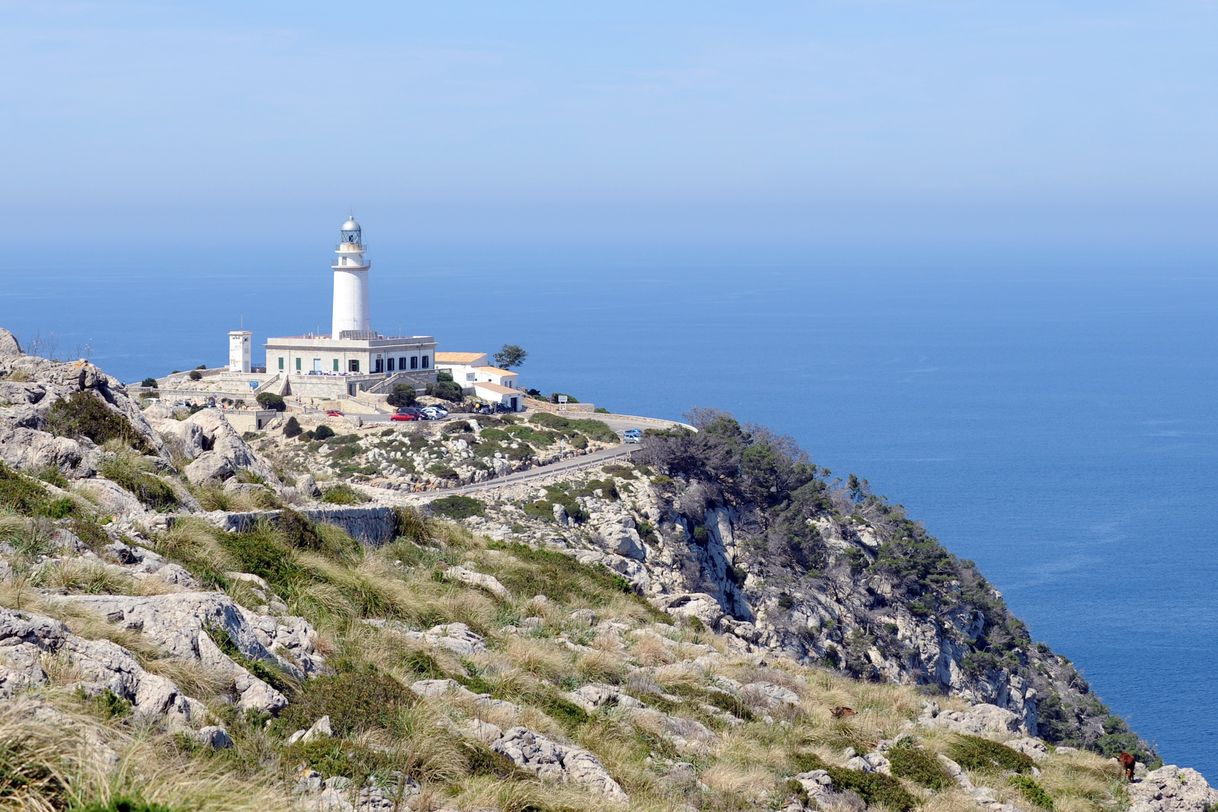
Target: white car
632 435
434 412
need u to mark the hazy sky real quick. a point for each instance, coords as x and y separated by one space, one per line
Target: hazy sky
768 120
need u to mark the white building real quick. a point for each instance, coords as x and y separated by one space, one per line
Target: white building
492 384
354 356
240 350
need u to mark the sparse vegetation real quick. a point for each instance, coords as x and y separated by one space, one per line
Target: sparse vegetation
85 415
457 507
342 494
269 400
977 753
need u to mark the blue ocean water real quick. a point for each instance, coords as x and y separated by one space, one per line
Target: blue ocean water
1054 421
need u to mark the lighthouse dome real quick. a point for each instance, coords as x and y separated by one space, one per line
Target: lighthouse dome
351 225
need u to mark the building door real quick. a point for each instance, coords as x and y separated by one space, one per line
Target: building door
317 366
378 365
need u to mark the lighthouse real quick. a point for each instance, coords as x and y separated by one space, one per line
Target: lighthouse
351 319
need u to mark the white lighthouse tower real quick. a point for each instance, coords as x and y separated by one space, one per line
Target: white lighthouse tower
351 318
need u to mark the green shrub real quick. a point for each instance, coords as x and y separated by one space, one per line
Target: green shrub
568 427
876 789
342 494
323 432
402 395
149 383
292 428
26 496
195 375
918 764
85 414
269 400
1031 791
337 757
446 390
442 471
976 753
357 700
150 489
457 507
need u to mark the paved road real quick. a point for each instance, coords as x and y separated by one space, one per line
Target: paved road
562 466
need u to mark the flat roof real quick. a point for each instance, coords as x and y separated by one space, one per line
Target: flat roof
459 357
497 389
494 370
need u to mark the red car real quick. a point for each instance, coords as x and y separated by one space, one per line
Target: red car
334 413
406 416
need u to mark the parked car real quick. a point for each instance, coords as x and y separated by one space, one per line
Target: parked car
434 412
333 413
403 417
632 435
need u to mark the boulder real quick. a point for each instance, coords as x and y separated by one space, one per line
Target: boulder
978 719
486 582
226 453
183 624
27 641
549 760
9 346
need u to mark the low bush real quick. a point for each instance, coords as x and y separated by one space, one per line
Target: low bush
292 428
876 789
21 494
976 753
150 489
457 507
402 395
446 390
1032 792
342 494
125 803
567 426
195 375
356 701
149 383
323 432
269 400
85 414
918 764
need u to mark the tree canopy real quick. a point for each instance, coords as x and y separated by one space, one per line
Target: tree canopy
512 355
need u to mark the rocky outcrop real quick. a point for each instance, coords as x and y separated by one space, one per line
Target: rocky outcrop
222 452
1172 789
201 626
30 386
552 761
95 666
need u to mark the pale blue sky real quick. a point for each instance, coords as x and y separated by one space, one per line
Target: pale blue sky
864 119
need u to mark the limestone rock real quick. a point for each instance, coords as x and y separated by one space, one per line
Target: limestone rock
226 453
9 346
26 639
981 718
487 582
182 624
552 761
1172 789
215 737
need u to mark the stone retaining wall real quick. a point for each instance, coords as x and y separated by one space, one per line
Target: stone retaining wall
373 526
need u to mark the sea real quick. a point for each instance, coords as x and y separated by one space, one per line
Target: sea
1050 416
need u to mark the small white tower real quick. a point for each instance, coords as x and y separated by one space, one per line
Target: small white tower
240 347
351 285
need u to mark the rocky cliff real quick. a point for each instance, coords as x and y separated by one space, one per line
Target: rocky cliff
184 625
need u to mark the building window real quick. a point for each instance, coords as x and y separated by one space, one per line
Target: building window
353 366
414 362
378 365
298 365
281 363
426 361
391 360
402 362
469 376
336 365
